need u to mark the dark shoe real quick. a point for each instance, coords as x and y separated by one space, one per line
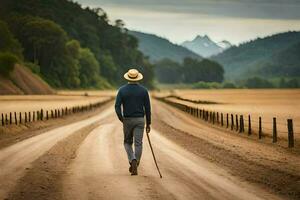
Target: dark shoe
133 167
130 168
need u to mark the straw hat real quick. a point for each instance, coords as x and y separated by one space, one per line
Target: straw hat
133 75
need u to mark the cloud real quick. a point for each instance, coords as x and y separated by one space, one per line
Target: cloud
261 9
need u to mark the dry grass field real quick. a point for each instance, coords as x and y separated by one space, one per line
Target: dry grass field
24 103
282 104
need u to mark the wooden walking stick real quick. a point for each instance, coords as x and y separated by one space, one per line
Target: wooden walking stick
153 155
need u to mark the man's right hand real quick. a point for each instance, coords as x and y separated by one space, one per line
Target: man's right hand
148 129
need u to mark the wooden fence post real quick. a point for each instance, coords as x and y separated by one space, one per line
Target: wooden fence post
52 114
2 119
274 130
6 119
218 119
232 122
33 116
29 116
47 115
249 125
241 125
10 118
20 118
222 122
214 115
259 129
42 114
227 121
290 133
207 115
25 117
236 122
16 120
55 113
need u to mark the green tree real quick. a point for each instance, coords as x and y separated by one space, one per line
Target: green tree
8 43
89 69
257 82
168 71
46 44
204 70
7 63
109 68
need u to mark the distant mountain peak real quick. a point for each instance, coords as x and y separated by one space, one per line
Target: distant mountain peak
206 47
158 48
199 37
225 44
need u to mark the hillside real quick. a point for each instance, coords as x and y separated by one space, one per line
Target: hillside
285 63
255 55
75 47
158 48
204 46
23 81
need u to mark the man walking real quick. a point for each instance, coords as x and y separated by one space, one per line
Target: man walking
135 101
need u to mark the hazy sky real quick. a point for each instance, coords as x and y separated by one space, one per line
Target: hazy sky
179 20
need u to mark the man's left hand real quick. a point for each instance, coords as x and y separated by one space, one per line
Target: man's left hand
148 129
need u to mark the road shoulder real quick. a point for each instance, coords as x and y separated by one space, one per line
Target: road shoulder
268 173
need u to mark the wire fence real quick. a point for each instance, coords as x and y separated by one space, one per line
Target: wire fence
23 118
241 123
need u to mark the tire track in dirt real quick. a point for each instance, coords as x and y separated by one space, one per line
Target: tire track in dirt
42 180
15 159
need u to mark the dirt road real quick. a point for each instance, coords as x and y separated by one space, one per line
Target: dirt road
100 168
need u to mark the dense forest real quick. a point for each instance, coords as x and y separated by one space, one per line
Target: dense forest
67 45
273 57
190 71
285 63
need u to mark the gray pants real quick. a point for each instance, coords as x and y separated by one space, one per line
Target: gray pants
133 129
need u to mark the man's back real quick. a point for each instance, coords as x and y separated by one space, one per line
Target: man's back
135 101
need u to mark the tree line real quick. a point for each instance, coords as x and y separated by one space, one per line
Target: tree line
190 71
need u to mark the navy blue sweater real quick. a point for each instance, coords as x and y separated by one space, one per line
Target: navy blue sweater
135 101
